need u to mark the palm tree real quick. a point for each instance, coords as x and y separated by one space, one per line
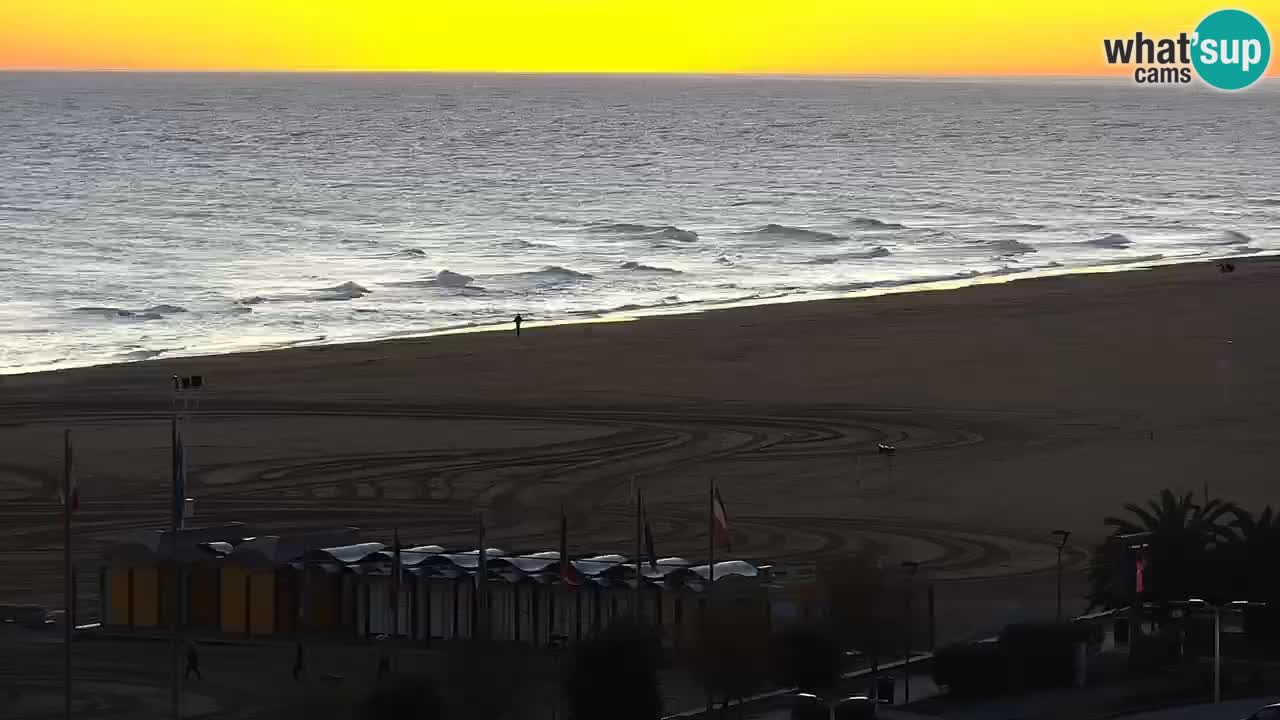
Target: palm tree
1247 572
1246 560
1182 536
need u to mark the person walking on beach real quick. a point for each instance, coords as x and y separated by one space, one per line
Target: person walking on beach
193 662
299 669
518 321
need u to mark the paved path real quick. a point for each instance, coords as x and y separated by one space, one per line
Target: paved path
1229 710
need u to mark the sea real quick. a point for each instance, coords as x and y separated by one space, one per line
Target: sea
161 215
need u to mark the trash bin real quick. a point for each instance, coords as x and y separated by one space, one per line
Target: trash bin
806 706
884 689
855 708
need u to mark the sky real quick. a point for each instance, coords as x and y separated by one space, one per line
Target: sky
886 37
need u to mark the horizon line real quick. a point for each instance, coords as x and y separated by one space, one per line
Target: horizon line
649 73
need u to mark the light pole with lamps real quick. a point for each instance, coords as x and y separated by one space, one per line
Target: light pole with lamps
1062 543
1233 606
912 567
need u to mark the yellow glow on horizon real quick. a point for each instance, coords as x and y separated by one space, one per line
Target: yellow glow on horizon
904 37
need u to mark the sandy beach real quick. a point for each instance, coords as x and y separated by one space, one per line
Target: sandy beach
1017 409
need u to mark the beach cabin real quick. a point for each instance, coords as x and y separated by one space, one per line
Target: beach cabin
334 584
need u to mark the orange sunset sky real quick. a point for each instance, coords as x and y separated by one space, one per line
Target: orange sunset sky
897 37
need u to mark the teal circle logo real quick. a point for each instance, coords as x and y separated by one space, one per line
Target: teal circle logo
1232 49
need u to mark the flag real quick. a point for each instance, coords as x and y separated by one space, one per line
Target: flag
1140 569
721 518
648 539
568 574
67 465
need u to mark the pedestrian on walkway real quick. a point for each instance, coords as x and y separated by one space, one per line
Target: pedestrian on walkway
193 662
299 668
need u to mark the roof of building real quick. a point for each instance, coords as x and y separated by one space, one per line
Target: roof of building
341 551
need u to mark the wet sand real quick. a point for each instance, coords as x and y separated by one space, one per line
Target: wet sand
1016 409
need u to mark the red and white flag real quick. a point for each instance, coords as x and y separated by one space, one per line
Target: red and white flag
1140 570
721 518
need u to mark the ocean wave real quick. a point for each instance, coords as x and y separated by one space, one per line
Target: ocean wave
865 223
345 291
840 257
1129 260
787 232
408 254
640 267
872 284
155 312
1232 237
655 232
1009 246
556 220
1020 227
444 279
552 274
1114 240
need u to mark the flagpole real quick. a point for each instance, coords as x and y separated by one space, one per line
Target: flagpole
482 579
639 540
711 571
395 585
711 531
68 601
175 690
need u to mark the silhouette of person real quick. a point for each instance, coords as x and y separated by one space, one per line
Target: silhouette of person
384 667
299 669
518 321
193 662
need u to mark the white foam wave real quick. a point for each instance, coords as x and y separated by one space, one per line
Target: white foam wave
866 223
1114 240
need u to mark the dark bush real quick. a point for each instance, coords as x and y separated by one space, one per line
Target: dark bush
1040 655
809 657
972 669
402 699
615 675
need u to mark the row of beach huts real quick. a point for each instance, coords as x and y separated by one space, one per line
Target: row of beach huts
334 584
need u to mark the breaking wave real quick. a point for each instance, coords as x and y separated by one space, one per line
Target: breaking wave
840 257
1232 237
640 267
1009 246
864 223
654 232
345 291
1114 240
773 231
552 274
155 312
409 254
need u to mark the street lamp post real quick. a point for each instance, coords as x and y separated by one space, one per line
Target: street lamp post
1062 543
1233 606
912 567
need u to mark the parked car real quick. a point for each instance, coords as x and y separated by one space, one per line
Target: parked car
1270 712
